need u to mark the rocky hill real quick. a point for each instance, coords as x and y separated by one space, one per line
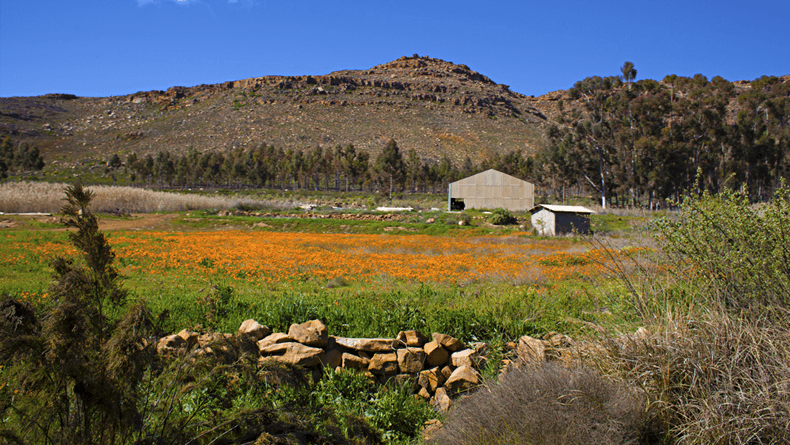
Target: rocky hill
430 105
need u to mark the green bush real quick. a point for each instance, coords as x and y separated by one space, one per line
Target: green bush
502 217
742 250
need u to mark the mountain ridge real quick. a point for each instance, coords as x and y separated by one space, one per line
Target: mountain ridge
433 106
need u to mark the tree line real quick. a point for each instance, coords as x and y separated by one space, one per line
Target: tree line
639 143
342 168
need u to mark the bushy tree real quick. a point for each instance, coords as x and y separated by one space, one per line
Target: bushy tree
75 368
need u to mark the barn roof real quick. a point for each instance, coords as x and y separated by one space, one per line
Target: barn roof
488 178
561 209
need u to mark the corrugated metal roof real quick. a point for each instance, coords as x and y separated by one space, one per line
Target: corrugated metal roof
564 209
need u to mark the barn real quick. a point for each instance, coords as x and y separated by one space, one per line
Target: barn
491 189
552 220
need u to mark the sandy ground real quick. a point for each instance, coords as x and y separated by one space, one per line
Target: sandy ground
139 221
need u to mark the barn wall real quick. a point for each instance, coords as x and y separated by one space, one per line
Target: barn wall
492 189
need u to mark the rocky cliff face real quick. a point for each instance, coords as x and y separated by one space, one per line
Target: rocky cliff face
433 106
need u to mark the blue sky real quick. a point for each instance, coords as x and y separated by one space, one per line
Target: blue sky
116 47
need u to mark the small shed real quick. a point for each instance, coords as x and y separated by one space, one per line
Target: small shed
552 220
491 189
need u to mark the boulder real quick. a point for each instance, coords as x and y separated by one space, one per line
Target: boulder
207 339
447 372
411 338
449 343
333 358
190 337
436 355
366 344
461 379
467 357
431 379
295 354
424 394
410 360
254 329
171 343
273 339
351 361
311 333
441 400
531 351
384 363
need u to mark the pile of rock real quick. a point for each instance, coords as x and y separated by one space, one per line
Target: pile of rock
436 368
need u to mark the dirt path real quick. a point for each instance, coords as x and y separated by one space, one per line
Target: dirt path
139 221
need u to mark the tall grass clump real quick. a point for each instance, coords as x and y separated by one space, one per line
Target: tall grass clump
549 404
716 367
19 197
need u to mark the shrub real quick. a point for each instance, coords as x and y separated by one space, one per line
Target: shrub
501 217
716 361
75 372
741 251
548 405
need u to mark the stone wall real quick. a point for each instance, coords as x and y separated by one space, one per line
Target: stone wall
437 368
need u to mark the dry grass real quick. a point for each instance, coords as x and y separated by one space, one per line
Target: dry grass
19 197
713 378
548 405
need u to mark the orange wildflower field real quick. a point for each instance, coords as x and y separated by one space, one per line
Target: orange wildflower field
277 257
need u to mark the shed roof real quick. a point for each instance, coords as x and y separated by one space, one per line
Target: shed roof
561 209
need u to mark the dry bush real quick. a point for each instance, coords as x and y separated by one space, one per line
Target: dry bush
548 405
713 379
18 197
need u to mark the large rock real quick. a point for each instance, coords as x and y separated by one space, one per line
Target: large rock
273 339
311 333
531 351
436 355
211 338
450 343
411 338
190 337
431 379
441 400
366 344
467 357
461 379
386 363
295 354
171 344
333 358
351 361
254 329
410 360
